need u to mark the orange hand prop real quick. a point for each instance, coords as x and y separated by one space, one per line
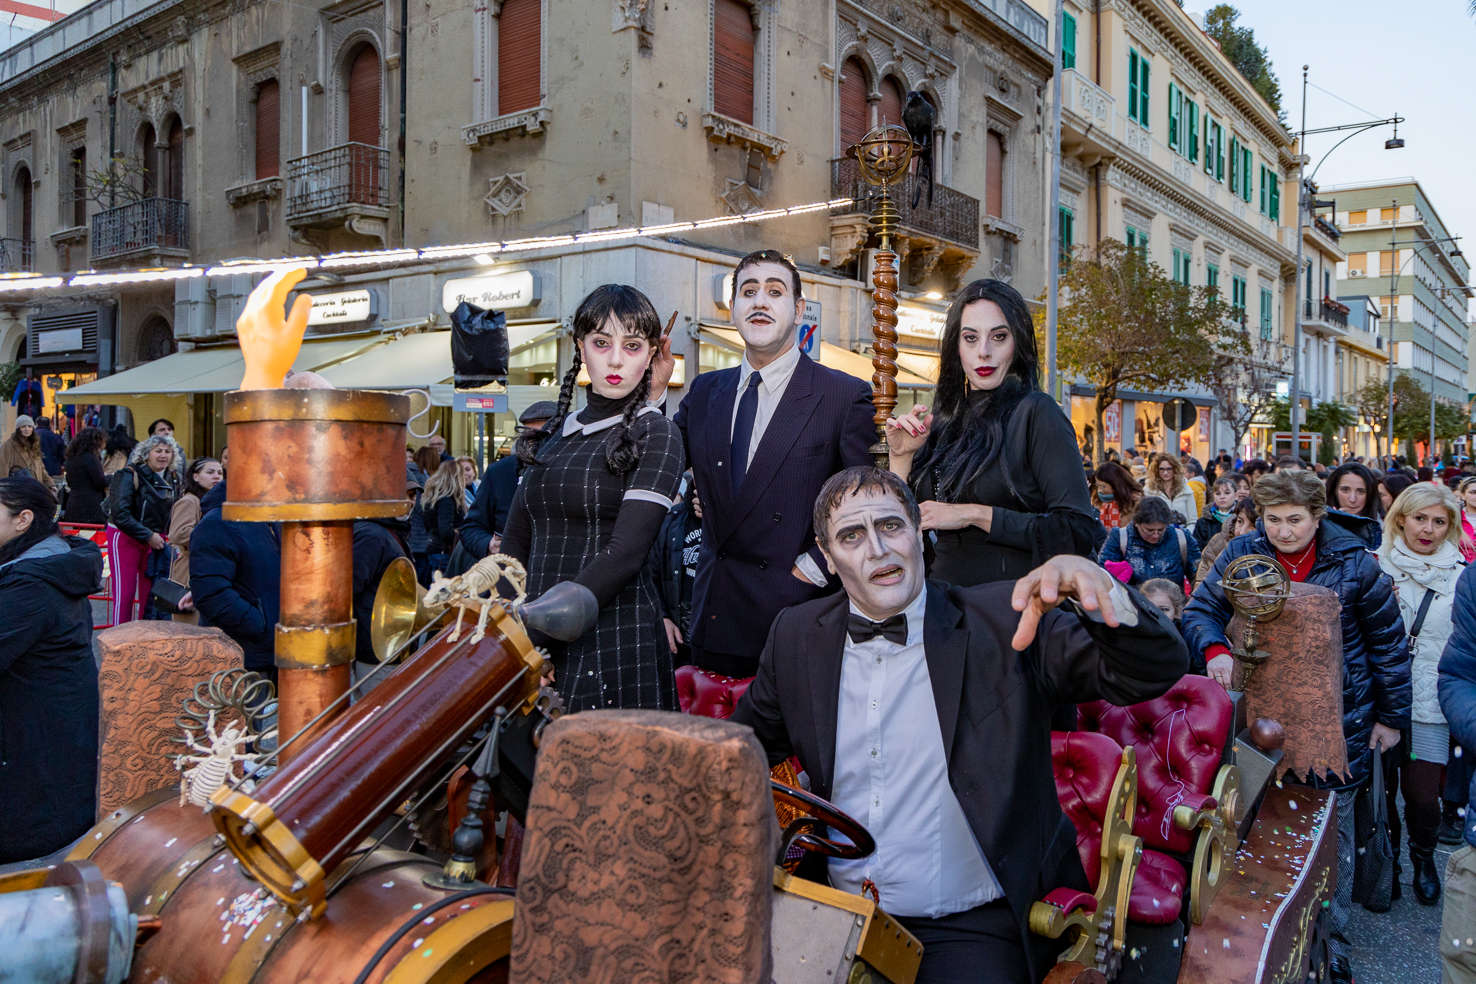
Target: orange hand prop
270 342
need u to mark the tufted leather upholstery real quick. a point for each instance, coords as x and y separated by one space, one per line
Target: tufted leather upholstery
708 694
1180 741
1085 764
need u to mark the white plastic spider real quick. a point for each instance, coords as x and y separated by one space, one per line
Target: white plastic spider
215 764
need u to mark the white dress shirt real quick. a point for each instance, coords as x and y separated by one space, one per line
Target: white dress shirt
891 773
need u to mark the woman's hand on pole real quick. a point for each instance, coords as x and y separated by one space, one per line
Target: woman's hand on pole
908 433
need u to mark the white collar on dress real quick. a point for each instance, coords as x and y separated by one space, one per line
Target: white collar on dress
573 426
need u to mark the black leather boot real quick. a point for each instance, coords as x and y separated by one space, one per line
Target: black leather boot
1426 880
1450 823
1340 970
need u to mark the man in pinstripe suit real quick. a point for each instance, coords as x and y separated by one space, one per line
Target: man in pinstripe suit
761 439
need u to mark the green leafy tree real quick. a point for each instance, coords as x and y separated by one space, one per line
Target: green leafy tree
1411 411
10 374
1327 418
1124 323
1238 44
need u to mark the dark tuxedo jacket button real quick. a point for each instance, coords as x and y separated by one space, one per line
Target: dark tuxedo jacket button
722 555
763 565
776 517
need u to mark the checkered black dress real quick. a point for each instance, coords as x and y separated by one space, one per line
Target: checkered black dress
572 500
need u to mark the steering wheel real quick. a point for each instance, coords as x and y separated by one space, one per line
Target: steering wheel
815 808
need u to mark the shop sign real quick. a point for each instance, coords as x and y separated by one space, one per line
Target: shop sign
58 340
1204 424
807 332
475 403
500 291
346 307
919 321
1112 422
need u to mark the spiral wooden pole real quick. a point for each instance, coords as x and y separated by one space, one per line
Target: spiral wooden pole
884 327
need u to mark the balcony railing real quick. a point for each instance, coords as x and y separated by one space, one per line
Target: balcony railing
350 174
1334 313
153 223
954 215
17 255
1327 228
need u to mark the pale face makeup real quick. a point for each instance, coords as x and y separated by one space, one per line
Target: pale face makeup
765 311
877 553
985 346
615 359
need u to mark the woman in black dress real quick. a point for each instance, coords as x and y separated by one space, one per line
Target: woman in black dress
595 488
995 469
87 486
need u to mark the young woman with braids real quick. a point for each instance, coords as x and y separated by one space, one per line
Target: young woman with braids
995 468
594 490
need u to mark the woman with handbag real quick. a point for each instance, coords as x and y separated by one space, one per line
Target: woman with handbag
139 503
1422 553
995 467
204 475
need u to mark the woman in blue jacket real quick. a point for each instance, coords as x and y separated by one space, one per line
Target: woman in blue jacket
1153 545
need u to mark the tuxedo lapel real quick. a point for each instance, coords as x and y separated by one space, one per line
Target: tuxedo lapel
945 645
825 644
784 428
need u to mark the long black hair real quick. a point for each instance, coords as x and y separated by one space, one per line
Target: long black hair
968 434
17 495
634 311
89 440
1371 505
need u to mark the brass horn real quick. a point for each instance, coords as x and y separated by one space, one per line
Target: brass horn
400 613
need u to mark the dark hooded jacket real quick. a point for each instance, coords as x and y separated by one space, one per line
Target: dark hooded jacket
1458 684
48 697
377 543
236 577
1376 683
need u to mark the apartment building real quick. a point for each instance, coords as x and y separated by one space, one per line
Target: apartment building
1400 256
1168 148
262 130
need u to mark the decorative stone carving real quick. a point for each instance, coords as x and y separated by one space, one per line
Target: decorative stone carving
742 198
242 195
156 101
527 121
723 129
639 14
506 193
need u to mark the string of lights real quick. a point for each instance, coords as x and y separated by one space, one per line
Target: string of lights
398 256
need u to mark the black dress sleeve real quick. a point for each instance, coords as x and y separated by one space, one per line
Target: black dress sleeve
1067 523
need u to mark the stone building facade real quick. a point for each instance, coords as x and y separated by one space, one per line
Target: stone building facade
265 130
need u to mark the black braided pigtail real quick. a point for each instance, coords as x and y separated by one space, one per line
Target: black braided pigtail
622 453
527 446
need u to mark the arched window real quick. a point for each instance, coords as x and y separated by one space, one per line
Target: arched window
172 172
734 43
854 111
519 49
893 98
363 97
156 340
148 158
268 130
994 168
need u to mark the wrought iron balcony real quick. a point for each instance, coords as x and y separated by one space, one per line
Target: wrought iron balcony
1334 313
150 225
336 180
1327 228
954 215
17 255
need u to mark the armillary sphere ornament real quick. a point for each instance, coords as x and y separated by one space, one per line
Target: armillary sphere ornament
1257 587
883 156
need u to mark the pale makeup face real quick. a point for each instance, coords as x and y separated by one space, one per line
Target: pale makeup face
1425 529
209 476
985 346
877 553
1289 528
615 359
765 311
1352 494
1151 532
1224 496
160 457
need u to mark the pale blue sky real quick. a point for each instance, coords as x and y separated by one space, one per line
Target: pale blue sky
1416 58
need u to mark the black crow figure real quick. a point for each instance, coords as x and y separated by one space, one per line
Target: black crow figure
918 117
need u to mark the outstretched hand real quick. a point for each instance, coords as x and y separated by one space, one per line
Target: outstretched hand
1067 576
269 339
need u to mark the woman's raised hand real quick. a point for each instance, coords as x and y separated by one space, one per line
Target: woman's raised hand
908 433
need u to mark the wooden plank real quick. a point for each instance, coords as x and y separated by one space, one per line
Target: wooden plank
1260 928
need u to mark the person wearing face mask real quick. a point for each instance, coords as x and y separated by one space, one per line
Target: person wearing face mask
1115 494
1296 530
20 455
923 710
994 463
1166 479
1352 492
1421 553
140 501
761 439
596 486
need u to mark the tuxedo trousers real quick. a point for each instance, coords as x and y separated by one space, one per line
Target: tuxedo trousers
982 943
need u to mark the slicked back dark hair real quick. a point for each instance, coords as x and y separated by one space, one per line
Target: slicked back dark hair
635 312
767 256
854 481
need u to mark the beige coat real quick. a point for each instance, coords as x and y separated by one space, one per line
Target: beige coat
14 454
182 522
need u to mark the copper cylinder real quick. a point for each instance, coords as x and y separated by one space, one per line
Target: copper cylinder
219 926
302 821
316 634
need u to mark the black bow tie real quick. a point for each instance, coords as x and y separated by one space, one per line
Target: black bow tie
860 628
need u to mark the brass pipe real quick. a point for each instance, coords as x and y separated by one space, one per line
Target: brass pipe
315 636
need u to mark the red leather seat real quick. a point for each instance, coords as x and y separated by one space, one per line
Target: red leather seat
708 694
1180 741
1085 765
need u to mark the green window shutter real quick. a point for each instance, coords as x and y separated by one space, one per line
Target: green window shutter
1276 202
1245 188
1209 145
1219 152
1143 89
1211 275
1234 166
1265 205
1175 105
1132 84
1132 237
1068 41
1192 139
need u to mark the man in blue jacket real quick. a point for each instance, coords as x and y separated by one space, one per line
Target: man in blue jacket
481 531
235 576
1458 704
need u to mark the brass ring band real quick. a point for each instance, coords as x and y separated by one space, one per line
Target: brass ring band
271 852
311 647
307 512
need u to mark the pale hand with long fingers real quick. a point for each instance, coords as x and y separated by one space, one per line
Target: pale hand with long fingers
269 340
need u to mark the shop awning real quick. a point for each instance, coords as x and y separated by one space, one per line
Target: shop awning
919 364
417 361
207 370
833 356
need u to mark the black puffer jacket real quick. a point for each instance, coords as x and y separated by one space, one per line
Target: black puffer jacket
1376 687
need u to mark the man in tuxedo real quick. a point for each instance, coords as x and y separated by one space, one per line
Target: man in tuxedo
761 439
924 710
